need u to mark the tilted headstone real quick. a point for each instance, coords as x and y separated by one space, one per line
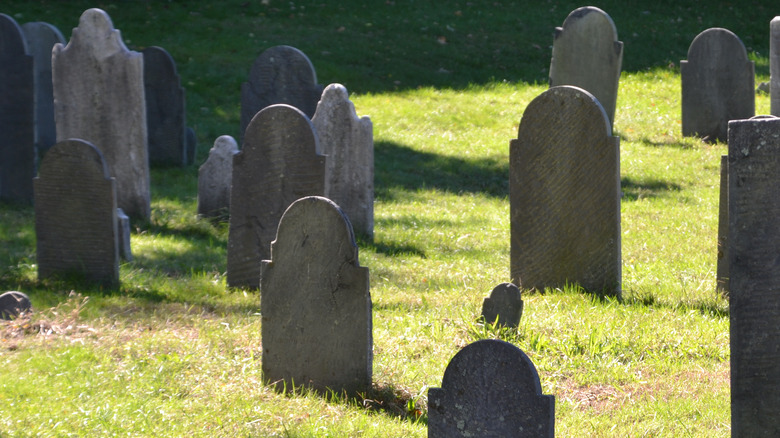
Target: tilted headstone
13 303
717 85
348 143
490 389
564 191
587 54
316 303
504 306
165 109
278 164
99 97
722 283
214 178
76 215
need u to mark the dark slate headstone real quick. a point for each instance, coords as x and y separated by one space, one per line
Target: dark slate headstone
76 215
587 54
564 191
13 303
717 85
490 389
214 179
165 109
504 306
278 164
316 303
774 66
722 284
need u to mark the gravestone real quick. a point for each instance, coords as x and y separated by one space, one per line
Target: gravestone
717 85
587 54
316 323
774 66
564 191
490 389
99 97
13 303
191 144
278 164
722 283
123 235
214 179
17 118
76 215
165 109
348 143
504 306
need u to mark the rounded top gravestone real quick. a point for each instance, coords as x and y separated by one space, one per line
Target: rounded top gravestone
13 303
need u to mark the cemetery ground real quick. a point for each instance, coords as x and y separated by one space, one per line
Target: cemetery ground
174 352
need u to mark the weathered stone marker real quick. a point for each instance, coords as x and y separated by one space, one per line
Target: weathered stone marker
774 66
165 109
13 303
316 303
564 191
504 306
490 389
214 179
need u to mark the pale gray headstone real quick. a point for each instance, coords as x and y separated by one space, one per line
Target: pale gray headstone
722 284
774 66
587 54
215 177
504 306
564 191
165 109
490 389
316 303
99 97
278 164
348 143
123 235
717 85
13 303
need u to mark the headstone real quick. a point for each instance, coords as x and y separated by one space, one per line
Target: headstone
123 235
192 144
316 323
76 215
17 119
774 66
278 164
214 179
504 306
754 279
99 97
722 284
13 303
587 54
165 109
490 389
564 191
348 143
717 85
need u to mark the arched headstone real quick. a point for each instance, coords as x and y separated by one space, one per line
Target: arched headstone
504 306
165 109
214 178
13 303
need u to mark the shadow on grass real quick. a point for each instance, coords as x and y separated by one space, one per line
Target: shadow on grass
635 189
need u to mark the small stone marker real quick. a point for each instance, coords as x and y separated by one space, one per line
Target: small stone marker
278 164
76 215
348 143
165 109
13 303
123 235
504 307
723 228
774 66
214 179
316 303
192 144
490 389
717 85
587 54
564 191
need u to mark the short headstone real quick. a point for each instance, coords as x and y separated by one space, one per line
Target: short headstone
504 306
774 66
564 191
722 284
278 164
214 179
165 109
123 235
587 54
317 329
76 215
348 143
490 389
13 303
191 144
717 85
99 97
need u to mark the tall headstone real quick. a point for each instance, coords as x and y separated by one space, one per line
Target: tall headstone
717 85
165 109
278 164
504 306
490 389
587 54
564 191
76 215
13 303
348 143
214 178
316 303
99 97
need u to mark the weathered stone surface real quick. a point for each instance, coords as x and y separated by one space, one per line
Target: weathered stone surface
348 143
76 215
587 54
722 284
99 97
214 178
717 85
564 189
278 164
490 389
123 235
316 303
774 66
13 303
165 109
504 306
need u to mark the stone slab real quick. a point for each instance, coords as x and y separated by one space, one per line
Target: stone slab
165 109
215 177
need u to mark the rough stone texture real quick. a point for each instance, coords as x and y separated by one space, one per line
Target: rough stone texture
17 119
717 85
165 109
123 235
99 97
774 66
587 54
76 215
316 303
490 389
504 306
722 284
348 143
277 165
564 190
13 303
214 179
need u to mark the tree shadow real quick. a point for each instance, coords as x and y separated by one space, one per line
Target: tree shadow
639 188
